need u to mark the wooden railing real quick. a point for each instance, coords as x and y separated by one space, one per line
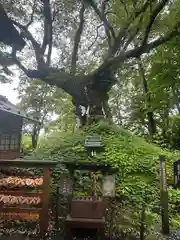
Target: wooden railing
27 212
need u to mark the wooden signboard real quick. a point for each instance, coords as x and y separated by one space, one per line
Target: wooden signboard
109 186
25 198
19 216
65 186
177 173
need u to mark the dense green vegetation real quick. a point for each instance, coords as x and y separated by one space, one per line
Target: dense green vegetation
138 171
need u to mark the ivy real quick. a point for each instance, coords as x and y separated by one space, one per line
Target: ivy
137 161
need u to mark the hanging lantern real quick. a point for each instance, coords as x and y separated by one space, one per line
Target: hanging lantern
108 187
93 144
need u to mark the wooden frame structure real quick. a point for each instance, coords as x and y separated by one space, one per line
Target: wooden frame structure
86 214
43 193
11 123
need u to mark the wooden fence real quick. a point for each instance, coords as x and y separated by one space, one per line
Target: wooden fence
26 197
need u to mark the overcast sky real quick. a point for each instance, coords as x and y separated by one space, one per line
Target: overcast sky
8 91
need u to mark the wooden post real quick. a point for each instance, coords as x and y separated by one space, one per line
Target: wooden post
164 196
177 174
142 222
44 211
57 209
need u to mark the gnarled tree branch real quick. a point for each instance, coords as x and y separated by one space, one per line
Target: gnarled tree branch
119 39
152 19
77 39
96 37
97 84
138 51
9 34
102 16
131 37
35 44
109 29
47 40
32 14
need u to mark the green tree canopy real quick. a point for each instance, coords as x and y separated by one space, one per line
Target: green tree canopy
57 36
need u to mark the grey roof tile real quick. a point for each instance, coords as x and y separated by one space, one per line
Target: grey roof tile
7 106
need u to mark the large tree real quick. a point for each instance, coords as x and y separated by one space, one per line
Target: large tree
104 36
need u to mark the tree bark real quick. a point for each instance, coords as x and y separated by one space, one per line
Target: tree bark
35 135
150 114
90 92
96 106
178 107
142 222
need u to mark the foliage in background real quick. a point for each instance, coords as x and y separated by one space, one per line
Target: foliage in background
129 103
50 106
27 144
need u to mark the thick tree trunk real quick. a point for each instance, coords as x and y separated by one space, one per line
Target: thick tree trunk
151 123
96 108
89 92
35 135
94 99
165 126
150 114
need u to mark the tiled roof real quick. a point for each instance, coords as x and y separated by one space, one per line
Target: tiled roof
7 106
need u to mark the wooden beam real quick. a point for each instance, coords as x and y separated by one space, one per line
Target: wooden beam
164 195
44 210
27 163
22 193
